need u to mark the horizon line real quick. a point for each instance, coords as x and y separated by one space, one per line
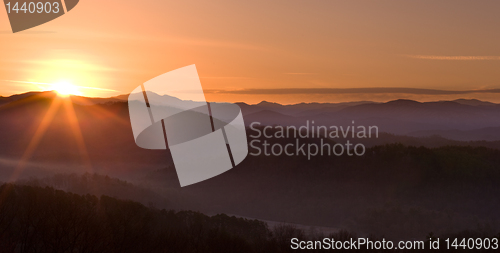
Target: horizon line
375 90
313 102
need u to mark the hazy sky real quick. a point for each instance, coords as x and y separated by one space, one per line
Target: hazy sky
245 45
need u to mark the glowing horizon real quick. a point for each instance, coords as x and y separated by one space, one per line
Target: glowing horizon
331 44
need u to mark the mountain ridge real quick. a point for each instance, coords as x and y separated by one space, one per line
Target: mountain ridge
400 117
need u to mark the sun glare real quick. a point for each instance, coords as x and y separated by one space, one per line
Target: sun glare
65 89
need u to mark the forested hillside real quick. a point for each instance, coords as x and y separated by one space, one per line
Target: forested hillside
35 219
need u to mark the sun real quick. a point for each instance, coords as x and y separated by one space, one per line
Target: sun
65 89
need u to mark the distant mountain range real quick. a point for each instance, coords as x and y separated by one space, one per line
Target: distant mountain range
461 120
464 120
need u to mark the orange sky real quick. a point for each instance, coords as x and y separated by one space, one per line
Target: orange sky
242 45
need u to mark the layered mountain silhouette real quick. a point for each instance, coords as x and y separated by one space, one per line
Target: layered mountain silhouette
103 126
459 120
423 178
464 120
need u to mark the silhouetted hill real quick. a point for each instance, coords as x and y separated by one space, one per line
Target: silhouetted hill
76 99
474 102
35 219
6 100
56 129
99 185
268 117
297 110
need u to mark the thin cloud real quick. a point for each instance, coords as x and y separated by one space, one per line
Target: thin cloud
454 58
69 64
300 73
225 77
309 91
49 84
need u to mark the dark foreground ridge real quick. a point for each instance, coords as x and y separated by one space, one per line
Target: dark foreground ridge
35 219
